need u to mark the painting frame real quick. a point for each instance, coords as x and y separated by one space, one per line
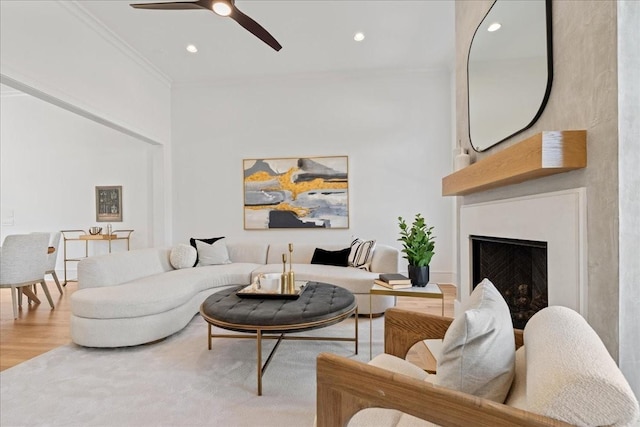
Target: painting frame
296 192
109 203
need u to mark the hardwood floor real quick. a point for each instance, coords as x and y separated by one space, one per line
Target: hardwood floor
39 329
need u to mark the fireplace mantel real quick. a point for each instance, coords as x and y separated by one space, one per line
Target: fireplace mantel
543 154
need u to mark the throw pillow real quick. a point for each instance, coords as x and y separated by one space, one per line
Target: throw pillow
214 254
361 253
338 258
212 240
478 350
183 256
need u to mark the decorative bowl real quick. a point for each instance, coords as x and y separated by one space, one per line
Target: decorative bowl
95 230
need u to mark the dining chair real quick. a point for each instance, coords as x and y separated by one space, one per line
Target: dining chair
23 262
52 257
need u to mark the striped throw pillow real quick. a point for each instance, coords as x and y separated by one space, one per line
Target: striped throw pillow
361 253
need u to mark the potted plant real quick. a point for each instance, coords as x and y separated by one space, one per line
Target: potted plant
418 244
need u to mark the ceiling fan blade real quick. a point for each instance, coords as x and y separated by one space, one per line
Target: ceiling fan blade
178 5
254 28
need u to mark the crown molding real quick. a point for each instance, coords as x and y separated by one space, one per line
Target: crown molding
76 9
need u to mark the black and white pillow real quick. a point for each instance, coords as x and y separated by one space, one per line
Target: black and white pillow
210 241
361 253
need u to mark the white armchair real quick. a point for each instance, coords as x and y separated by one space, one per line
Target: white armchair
23 262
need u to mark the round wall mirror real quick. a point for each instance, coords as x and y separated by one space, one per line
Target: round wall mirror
509 70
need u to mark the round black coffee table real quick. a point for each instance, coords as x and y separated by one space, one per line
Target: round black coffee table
320 305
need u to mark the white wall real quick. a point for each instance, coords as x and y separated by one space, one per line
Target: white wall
59 49
394 126
628 13
51 161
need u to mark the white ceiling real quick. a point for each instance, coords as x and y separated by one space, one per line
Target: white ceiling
316 35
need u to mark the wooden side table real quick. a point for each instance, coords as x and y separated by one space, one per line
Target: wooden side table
432 290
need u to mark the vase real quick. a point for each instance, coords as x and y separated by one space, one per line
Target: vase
419 275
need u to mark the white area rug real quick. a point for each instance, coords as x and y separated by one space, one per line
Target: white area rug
176 382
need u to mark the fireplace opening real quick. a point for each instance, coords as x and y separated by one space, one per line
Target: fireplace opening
517 268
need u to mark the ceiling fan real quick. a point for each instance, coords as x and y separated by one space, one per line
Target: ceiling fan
222 8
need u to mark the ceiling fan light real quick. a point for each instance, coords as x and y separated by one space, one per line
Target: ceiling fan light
222 8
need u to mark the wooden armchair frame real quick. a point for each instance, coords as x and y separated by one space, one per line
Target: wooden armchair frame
345 386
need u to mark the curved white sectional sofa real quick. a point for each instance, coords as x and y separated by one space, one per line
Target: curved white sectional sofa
136 297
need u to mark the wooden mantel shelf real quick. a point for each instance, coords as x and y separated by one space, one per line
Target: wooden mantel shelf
543 154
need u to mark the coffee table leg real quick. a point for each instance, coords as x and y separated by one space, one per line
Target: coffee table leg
259 369
209 335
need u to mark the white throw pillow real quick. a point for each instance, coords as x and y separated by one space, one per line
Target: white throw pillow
214 254
478 350
361 253
182 256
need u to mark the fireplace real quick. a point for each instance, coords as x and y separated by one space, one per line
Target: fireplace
518 269
557 219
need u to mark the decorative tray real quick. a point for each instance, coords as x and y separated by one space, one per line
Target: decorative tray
253 291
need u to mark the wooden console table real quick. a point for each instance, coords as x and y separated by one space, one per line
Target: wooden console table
81 235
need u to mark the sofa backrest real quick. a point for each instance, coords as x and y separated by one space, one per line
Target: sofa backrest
570 375
121 267
385 258
249 252
302 253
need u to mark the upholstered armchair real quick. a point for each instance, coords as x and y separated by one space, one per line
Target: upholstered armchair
23 261
563 375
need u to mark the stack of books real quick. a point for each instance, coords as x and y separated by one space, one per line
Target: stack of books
393 281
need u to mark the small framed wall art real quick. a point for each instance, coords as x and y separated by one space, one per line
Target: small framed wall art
109 204
307 192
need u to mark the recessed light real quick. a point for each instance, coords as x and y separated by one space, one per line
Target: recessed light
358 37
192 48
494 27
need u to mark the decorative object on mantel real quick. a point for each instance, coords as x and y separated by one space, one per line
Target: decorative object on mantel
460 158
543 154
418 244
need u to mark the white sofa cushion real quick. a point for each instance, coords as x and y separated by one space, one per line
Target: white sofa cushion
478 349
389 417
183 256
568 383
215 253
158 293
121 267
518 393
248 252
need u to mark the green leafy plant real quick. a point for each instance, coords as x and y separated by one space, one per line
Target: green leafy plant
417 241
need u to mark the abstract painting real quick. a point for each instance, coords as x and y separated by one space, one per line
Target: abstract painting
307 192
